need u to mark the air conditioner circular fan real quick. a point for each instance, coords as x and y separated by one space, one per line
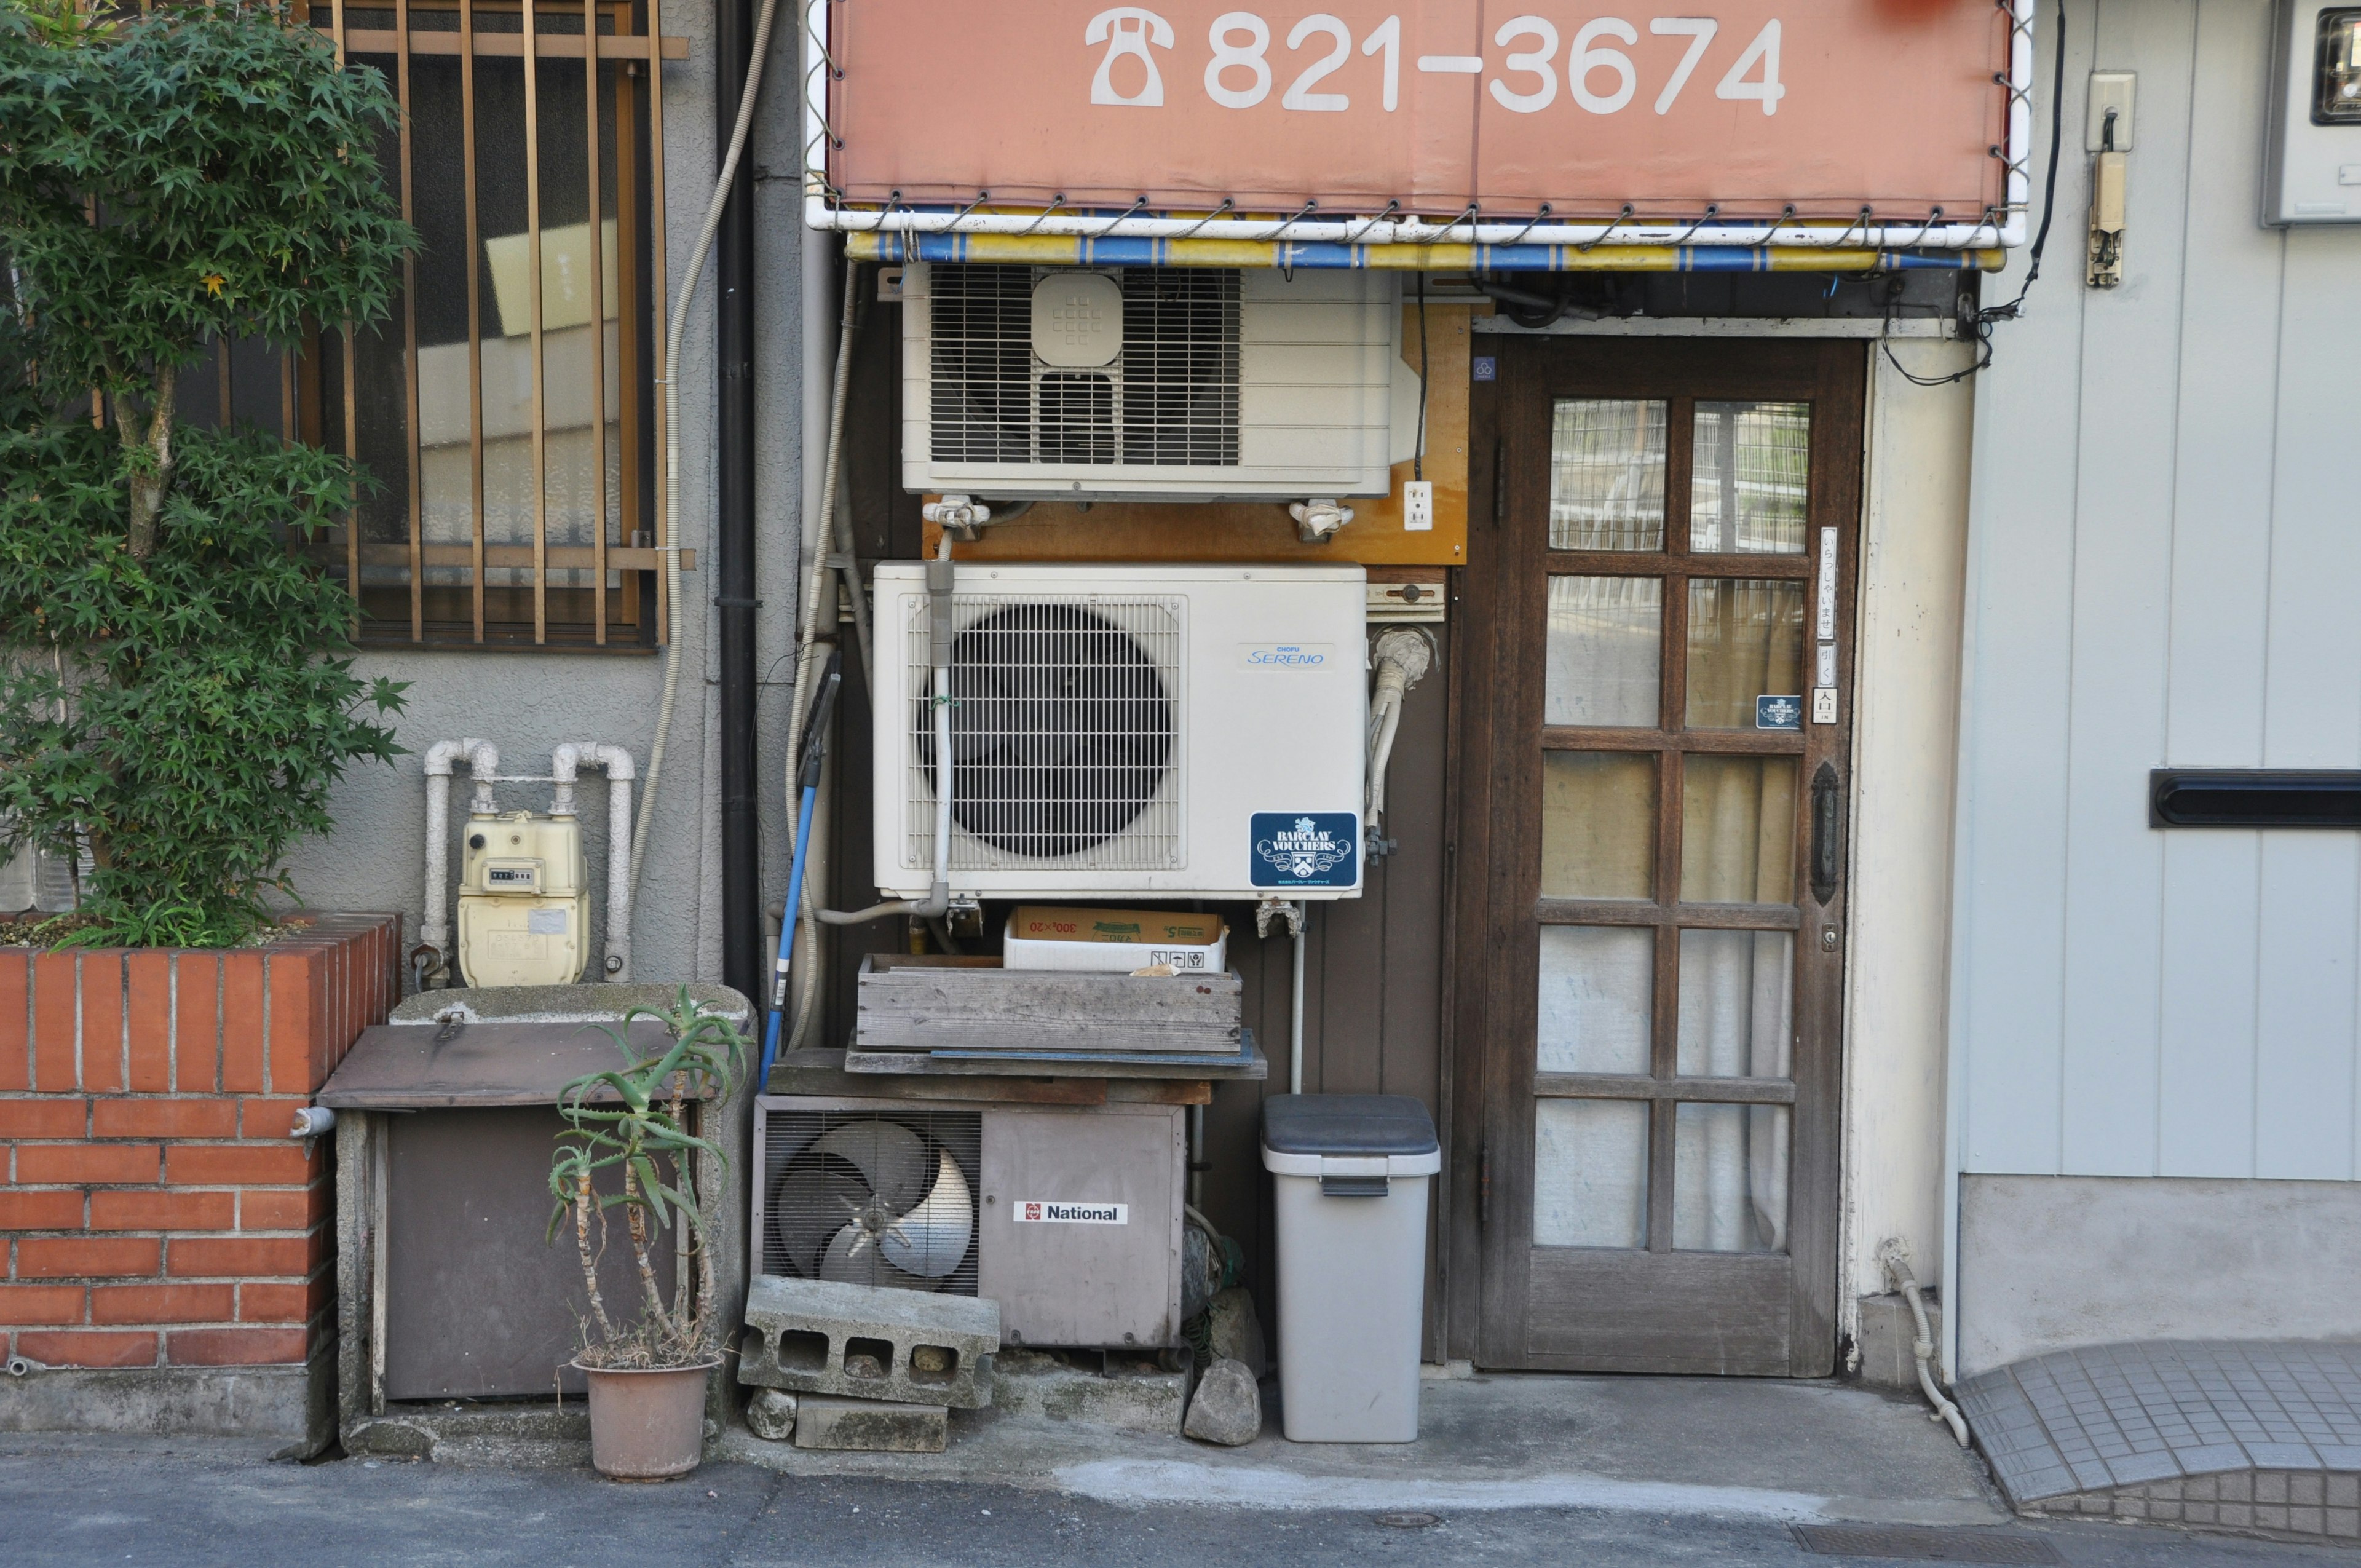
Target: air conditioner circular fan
1061 730
870 1203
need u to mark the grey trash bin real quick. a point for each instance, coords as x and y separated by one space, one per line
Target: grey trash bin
1350 1173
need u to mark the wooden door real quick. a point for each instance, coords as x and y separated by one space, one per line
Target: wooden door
1666 593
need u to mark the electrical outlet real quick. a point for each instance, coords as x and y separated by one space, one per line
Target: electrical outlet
1418 506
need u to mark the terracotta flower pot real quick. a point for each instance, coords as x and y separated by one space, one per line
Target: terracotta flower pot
647 1425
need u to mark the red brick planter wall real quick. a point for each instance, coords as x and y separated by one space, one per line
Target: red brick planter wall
154 1212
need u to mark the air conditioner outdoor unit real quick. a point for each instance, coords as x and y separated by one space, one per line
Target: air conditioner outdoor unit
1067 1216
1121 731
1157 383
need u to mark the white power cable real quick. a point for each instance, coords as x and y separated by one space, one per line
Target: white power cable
670 549
1893 1253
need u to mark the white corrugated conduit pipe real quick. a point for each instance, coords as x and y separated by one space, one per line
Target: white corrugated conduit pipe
1894 1253
1402 658
941 576
678 329
483 760
563 764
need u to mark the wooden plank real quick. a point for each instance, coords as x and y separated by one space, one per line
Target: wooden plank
1691 917
1673 1312
1248 1065
422 1065
821 1072
1642 1086
916 1006
512 46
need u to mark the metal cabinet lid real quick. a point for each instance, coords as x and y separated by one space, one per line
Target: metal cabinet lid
1309 1134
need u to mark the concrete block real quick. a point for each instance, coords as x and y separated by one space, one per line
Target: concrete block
771 1415
863 1342
1886 1333
832 1420
1141 1397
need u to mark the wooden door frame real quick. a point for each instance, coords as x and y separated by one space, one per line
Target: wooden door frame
1485 857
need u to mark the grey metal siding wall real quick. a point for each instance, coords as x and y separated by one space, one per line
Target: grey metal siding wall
2165 568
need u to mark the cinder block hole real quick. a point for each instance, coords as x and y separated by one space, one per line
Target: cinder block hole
879 1351
800 1350
933 1364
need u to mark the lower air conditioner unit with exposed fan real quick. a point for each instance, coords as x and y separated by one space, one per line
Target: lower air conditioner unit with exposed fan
1126 731
1067 1216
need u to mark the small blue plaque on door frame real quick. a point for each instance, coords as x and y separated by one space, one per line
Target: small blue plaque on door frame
1306 849
1778 713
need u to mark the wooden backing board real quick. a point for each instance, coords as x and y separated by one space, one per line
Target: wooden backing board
908 1003
1248 1064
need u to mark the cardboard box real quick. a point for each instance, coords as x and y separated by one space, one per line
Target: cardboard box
1115 941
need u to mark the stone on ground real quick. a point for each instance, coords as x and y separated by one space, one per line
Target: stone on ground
1227 1408
1234 1332
771 1415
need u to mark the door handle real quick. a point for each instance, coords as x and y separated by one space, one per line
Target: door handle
1827 833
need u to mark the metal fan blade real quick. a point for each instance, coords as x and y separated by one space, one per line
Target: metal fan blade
888 1155
853 1259
932 1238
807 1205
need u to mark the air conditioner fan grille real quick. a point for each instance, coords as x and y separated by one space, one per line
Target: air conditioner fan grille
866 1198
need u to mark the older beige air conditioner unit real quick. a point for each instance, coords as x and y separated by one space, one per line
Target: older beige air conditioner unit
1152 383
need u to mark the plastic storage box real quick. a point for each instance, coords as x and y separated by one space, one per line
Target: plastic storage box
1350 1173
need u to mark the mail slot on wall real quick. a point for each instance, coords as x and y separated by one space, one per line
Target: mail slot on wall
2254 797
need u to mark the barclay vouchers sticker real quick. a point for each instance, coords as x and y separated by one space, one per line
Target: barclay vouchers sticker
1306 849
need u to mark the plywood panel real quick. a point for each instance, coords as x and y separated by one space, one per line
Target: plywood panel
2010 971
2130 343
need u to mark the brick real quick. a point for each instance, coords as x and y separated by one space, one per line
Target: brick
15 1040
40 1211
43 1118
298 1020
197 1029
237 1347
83 1348
242 1023
102 1021
284 1210
242 1165
149 1021
271 1303
53 1023
163 1303
163 1118
268 1118
239 1257
116 1210
21 1304
54 1165
74 1257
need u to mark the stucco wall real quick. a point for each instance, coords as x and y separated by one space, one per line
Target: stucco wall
528 703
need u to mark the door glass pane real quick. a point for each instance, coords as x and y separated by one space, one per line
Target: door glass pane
1749 478
1606 642
1730 1178
1737 1017
1599 825
1590 1173
1598 998
1746 640
1607 474
1737 829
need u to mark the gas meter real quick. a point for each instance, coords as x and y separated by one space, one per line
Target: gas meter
524 905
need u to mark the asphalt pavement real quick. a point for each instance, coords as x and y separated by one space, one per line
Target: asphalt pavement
195 1503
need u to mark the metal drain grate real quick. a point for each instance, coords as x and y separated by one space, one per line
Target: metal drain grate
1920 1543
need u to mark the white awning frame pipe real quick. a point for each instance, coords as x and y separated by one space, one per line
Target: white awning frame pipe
617 763
821 212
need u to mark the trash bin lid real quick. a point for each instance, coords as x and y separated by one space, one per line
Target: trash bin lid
1310 1127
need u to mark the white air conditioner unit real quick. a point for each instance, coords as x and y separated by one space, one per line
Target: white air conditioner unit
1124 730
1157 383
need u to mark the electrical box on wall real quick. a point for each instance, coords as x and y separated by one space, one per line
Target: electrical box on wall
2313 171
524 901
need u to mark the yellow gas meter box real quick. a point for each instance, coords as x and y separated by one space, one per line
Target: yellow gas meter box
524 903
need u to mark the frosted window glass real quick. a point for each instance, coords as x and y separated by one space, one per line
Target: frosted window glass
1598 998
1590 1173
1605 644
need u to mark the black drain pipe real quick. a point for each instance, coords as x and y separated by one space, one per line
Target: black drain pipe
734 330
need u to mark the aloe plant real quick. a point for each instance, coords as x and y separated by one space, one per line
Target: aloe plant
627 1145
